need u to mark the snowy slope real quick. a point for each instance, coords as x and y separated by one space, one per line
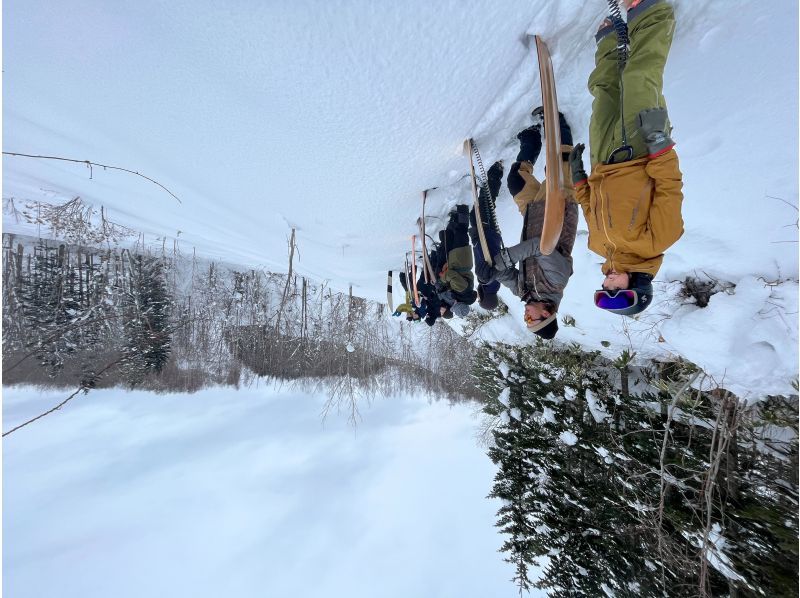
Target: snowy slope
740 203
332 117
245 493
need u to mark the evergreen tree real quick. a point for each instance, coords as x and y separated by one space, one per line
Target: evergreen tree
48 308
579 472
146 347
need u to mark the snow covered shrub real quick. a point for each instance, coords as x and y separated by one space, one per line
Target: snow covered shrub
701 290
478 317
550 407
660 492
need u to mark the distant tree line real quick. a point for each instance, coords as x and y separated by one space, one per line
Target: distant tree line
668 491
157 319
92 310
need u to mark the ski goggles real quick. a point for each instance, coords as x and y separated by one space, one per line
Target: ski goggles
623 301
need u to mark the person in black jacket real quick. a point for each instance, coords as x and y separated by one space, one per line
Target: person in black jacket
453 290
487 286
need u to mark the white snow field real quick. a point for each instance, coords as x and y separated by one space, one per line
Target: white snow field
333 117
247 493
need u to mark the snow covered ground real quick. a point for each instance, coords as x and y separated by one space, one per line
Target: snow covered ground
333 117
248 493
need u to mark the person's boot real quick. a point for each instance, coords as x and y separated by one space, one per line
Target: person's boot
637 7
605 28
495 179
614 23
487 299
538 116
461 215
487 200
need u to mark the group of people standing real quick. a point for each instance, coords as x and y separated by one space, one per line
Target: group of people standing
452 289
631 200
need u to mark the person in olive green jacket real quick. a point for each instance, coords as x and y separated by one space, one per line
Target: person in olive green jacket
632 203
455 286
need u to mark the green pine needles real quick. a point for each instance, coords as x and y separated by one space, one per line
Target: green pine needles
615 479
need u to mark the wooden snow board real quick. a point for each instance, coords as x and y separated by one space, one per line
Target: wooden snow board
427 268
487 256
414 269
389 292
554 174
430 275
408 279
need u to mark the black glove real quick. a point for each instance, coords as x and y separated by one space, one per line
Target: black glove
502 261
566 131
509 256
495 178
653 126
530 143
576 164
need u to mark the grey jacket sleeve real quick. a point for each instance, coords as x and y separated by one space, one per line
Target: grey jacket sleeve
524 250
508 277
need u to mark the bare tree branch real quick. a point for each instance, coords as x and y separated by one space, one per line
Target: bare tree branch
90 164
83 387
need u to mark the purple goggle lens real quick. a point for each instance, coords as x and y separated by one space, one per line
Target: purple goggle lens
622 299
